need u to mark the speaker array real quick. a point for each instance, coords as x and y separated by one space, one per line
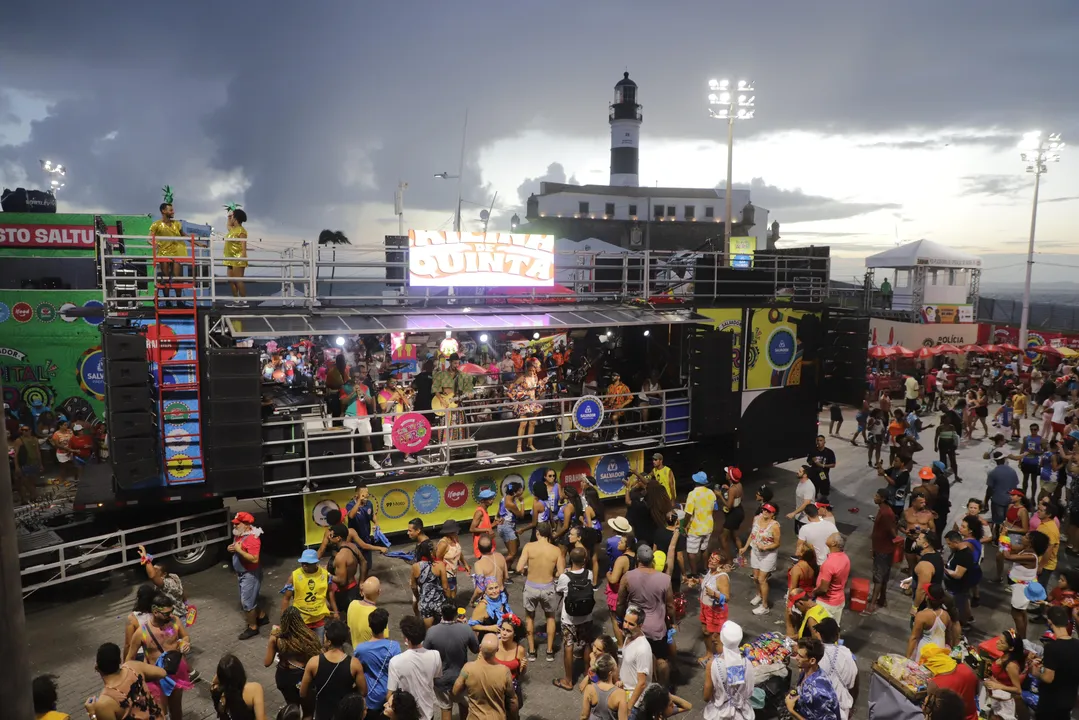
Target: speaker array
129 408
232 419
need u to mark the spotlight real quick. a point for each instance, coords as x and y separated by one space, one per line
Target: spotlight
340 341
647 332
449 333
483 338
603 338
535 336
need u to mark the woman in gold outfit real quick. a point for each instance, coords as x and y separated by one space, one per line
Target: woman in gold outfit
236 250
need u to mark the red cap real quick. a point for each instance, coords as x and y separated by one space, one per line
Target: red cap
1016 491
823 505
769 507
243 517
735 474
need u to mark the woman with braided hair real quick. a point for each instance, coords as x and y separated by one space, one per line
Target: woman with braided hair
293 644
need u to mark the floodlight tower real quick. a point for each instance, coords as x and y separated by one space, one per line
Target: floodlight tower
730 104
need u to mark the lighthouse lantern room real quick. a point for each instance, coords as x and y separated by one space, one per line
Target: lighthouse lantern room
625 119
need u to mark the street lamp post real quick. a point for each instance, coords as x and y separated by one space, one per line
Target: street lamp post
730 104
54 173
1040 151
399 206
457 177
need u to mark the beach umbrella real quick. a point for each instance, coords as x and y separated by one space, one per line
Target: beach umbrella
926 352
946 349
879 352
1008 347
1045 350
472 369
973 349
993 349
902 352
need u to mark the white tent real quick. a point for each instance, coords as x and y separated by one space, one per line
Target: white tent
924 253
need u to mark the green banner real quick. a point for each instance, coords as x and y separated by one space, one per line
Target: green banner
49 362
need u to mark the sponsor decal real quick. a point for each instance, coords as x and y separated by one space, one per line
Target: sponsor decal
612 472
456 494
90 372
427 498
587 413
574 473
22 312
395 503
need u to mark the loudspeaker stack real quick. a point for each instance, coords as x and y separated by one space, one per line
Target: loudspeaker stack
232 424
129 409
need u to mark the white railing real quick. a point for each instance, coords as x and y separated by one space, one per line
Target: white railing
311 275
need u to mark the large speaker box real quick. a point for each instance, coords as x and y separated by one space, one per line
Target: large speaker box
714 410
127 373
327 449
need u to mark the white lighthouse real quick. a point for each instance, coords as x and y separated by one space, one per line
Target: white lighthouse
625 119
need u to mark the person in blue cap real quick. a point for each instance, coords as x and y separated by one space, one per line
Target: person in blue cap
309 592
700 508
481 520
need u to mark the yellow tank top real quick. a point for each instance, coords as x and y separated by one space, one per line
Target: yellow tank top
234 248
309 594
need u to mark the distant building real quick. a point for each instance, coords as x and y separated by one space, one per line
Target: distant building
639 218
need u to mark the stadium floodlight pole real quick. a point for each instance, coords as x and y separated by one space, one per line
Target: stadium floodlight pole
51 172
730 104
1039 151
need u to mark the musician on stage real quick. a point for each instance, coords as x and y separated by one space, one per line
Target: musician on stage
452 381
392 401
618 396
524 392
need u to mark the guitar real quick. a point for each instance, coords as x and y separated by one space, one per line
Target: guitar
446 400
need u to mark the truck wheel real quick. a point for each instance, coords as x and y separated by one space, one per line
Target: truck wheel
196 559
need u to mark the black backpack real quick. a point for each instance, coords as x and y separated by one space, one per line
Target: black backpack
580 595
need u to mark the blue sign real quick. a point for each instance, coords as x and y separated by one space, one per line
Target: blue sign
91 372
189 228
588 413
94 305
781 346
741 262
612 472
5 313
427 499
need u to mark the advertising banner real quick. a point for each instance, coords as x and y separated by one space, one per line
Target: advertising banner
916 335
1000 335
62 234
947 314
741 252
729 320
450 259
48 361
773 354
454 497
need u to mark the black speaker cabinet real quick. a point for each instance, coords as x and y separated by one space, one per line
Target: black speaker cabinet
128 399
132 449
233 480
232 411
327 449
232 362
127 373
135 472
130 424
235 387
124 346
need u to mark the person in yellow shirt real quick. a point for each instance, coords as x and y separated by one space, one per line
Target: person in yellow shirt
236 249
1048 527
617 397
359 612
700 506
45 696
663 474
1019 410
168 227
309 592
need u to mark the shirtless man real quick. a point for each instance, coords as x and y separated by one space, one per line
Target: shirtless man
916 518
163 633
347 564
541 562
334 517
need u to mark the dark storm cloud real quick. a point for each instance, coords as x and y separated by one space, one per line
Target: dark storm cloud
1069 198
7 109
994 141
324 105
796 206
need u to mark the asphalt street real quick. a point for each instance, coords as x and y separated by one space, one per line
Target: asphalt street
66 626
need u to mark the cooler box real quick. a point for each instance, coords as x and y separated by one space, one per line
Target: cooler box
859 594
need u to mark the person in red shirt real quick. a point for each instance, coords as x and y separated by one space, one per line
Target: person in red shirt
246 562
930 391
884 543
831 592
951 675
81 446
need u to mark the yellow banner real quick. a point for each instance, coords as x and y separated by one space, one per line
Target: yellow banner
773 354
454 497
729 320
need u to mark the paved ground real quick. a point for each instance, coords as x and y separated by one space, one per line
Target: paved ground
66 627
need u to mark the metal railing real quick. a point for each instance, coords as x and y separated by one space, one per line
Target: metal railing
85 557
317 454
312 276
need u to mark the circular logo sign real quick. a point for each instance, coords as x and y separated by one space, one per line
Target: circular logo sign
160 341
484 483
63 312
574 473
411 433
22 312
321 510
5 312
94 319
426 499
179 466
612 471
46 313
781 345
90 371
456 494
588 413
395 503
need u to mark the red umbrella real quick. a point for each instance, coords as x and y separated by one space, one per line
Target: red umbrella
993 349
472 369
946 349
973 349
879 352
1008 347
902 352
1045 350
926 352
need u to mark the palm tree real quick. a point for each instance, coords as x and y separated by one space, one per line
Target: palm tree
334 238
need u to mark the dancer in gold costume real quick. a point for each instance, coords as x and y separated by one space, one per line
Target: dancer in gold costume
236 249
168 227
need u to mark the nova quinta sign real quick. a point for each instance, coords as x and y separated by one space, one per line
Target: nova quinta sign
450 259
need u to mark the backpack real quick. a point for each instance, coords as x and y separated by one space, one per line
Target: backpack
580 595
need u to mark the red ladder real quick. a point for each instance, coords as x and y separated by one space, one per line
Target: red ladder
170 392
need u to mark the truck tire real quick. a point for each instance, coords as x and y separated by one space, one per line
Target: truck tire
187 562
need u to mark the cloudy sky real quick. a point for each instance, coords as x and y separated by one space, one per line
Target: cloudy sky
876 121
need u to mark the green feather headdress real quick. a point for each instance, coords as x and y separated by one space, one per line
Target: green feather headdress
233 206
167 190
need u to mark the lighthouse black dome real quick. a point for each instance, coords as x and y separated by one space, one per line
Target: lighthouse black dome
625 81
